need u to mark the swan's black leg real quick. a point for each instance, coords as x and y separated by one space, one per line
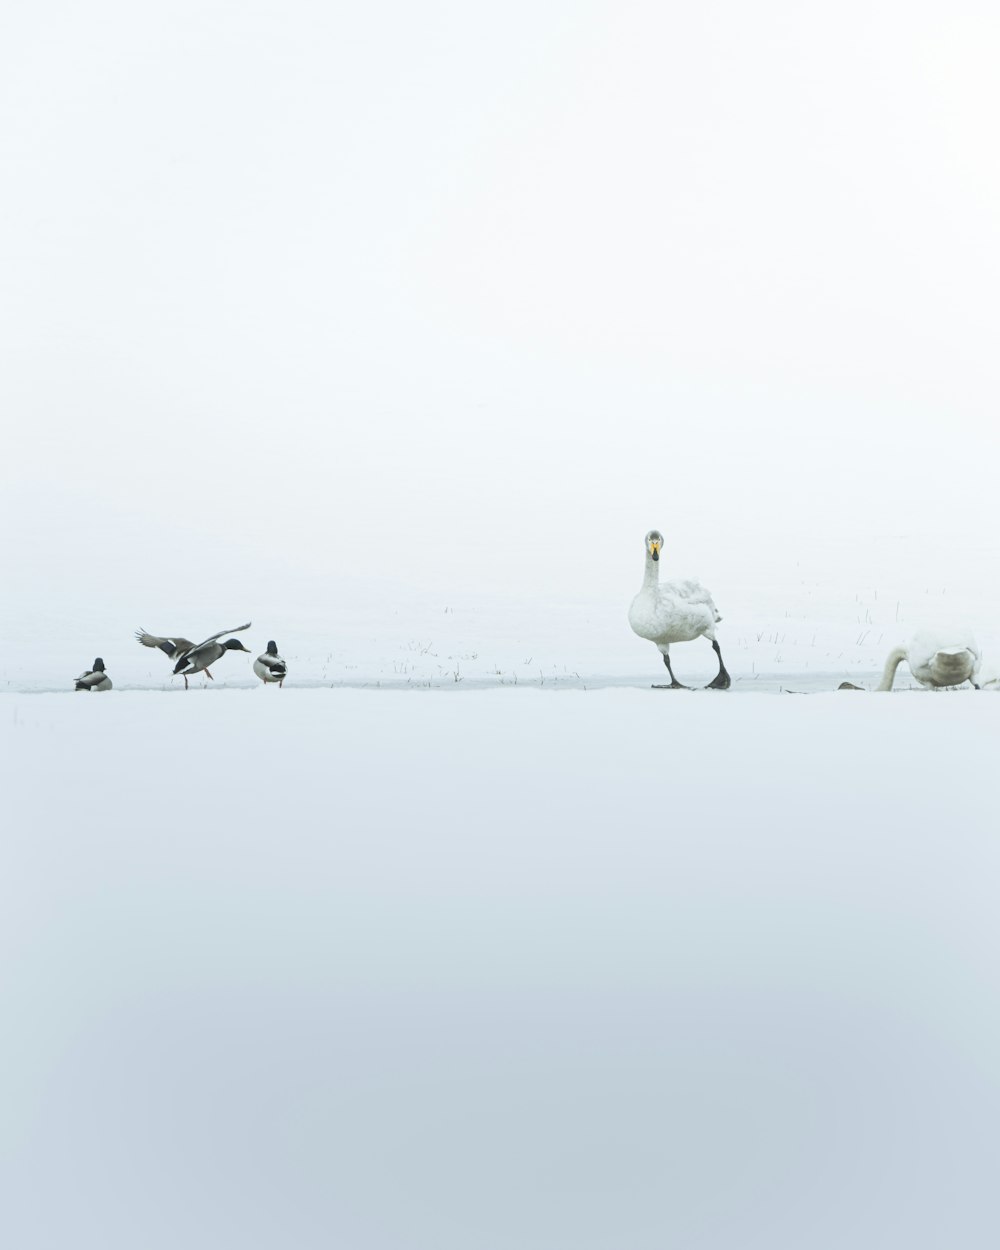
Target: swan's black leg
674 683
722 679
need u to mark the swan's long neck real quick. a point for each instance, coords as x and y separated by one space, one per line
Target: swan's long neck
889 672
651 577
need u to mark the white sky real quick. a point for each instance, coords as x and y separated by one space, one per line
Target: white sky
390 289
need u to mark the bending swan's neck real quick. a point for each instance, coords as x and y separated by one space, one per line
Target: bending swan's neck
889 672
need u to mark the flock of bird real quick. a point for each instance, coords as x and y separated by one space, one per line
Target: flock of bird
663 613
190 659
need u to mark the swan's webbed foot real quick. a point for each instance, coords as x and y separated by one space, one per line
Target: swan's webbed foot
674 683
722 680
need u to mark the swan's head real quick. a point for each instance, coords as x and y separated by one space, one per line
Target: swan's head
654 542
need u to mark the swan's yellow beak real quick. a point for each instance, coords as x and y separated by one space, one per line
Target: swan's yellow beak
654 548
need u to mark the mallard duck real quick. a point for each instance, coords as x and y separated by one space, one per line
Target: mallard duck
677 611
94 678
198 658
190 658
270 667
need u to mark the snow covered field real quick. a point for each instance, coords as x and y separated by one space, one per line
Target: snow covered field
518 969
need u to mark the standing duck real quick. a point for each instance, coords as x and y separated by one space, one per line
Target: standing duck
94 678
270 667
676 611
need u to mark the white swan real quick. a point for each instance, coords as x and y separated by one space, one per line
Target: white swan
677 611
936 659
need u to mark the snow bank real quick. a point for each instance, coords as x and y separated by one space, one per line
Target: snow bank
519 969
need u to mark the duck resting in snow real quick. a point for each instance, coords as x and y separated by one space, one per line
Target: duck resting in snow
94 678
270 666
192 659
936 659
676 611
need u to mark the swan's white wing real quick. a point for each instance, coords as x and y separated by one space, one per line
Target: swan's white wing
221 634
691 594
687 588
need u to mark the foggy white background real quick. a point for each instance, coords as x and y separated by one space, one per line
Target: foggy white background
451 294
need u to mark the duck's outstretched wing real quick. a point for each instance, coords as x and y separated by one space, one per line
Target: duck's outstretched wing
221 634
172 646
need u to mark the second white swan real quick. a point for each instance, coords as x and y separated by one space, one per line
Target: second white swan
936 659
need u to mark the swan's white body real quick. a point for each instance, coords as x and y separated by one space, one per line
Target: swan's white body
675 611
936 659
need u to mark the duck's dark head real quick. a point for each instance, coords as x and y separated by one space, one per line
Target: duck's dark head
654 542
272 648
98 665
234 644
